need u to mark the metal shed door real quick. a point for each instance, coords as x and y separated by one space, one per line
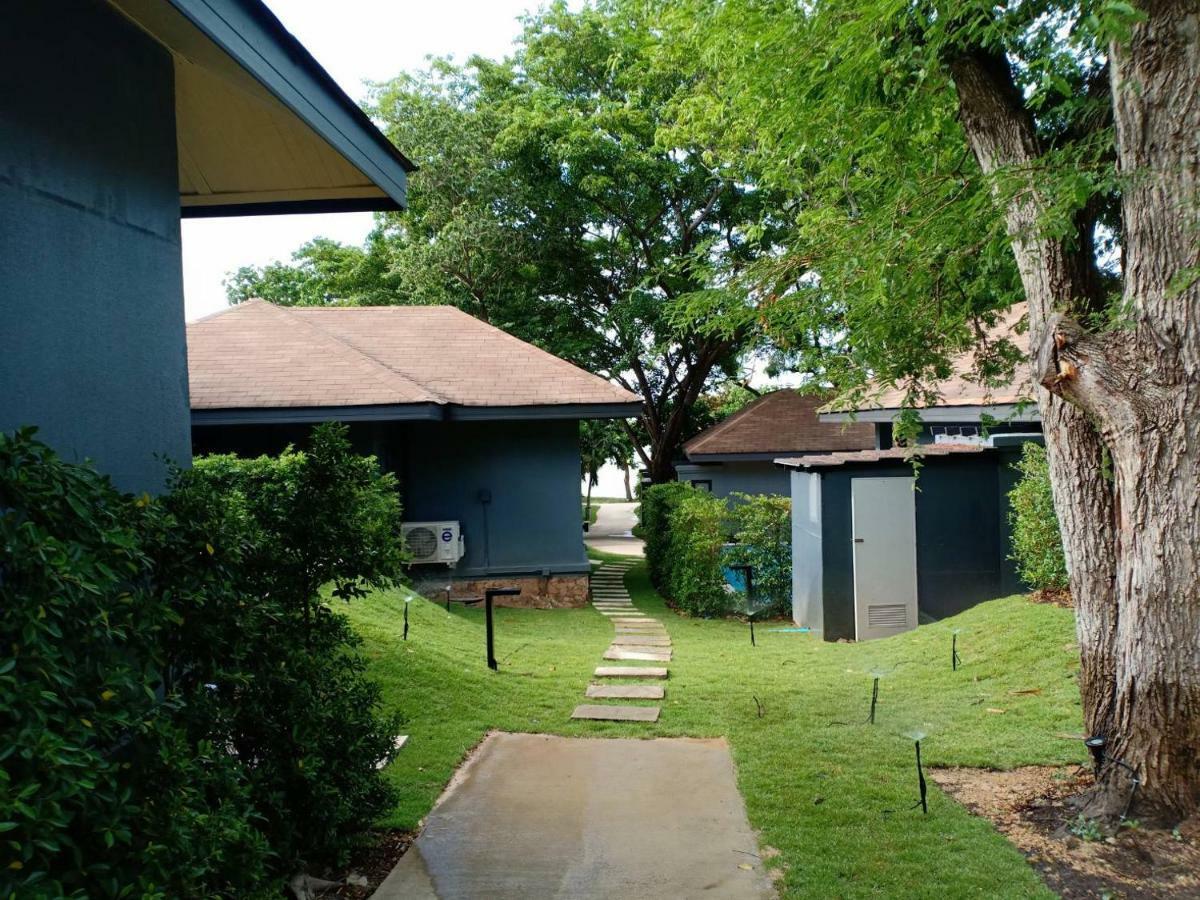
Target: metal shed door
884 525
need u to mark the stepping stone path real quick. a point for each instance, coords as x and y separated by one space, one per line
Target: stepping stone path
639 638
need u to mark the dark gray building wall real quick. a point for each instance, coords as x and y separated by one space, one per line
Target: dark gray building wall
91 296
743 476
529 469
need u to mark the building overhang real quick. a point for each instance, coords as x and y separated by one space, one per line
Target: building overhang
1001 412
409 412
261 127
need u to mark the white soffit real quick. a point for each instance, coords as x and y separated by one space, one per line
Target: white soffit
238 143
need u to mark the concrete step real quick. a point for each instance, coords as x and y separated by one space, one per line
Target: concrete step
625 692
630 672
641 640
616 713
646 655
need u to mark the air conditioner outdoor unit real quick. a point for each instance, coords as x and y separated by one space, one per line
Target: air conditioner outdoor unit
433 542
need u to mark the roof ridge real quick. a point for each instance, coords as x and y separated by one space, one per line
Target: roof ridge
475 320
387 371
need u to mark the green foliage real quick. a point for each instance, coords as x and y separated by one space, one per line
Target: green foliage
694 581
762 527
322 272
1037 542
895 255
657 504
686 532
102 790
183 716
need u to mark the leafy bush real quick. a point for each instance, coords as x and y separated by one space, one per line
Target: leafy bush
762 527
1037 543
693 568
182 715
657 503
101 789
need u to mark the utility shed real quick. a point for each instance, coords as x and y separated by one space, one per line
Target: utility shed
118 118
875 550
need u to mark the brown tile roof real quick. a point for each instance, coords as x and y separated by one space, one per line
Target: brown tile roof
960 389
258 355
893 453
780 422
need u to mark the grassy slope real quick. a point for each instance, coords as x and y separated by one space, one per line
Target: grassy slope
861 838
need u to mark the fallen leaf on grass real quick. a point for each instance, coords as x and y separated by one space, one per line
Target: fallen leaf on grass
993 709
1027 691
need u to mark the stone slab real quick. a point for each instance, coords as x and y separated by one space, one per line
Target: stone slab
616 713
641 640
630 672
626 691
644 655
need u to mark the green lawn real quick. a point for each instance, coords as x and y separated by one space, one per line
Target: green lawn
834 799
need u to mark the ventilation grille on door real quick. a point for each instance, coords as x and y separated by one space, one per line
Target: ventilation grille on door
889 616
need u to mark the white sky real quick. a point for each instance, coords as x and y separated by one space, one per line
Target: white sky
356 41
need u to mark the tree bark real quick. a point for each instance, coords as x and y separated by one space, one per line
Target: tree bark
1002 136
1133 550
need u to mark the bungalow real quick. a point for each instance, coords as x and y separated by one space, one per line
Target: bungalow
480 428
878 547
121 116
737 453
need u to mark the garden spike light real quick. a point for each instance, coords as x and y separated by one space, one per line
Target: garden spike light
921 781
407 600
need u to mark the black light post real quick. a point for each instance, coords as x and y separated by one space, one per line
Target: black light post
487 605
407 600
955 659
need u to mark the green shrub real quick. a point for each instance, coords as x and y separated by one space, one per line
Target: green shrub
1037 543
182 714
102 791
693 575
658 502
762 528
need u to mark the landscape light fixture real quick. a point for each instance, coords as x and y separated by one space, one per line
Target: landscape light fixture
1095 745
407 600
955 659
488 596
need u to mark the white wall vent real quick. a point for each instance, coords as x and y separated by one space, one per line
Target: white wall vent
889 615
433 542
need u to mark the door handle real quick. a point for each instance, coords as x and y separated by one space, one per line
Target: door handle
858 540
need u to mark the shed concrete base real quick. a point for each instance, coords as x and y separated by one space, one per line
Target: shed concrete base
535 816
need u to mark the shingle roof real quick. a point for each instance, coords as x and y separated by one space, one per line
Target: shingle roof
866 456
258 355
780 422
960 389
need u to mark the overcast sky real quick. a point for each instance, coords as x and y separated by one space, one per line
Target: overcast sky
357 41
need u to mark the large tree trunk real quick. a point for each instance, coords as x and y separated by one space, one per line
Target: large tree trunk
1133 545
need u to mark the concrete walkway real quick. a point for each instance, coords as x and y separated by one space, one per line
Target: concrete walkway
612 532
534 816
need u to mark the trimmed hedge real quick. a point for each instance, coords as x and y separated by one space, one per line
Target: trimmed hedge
687 531
762 527
182 715
1037 542
658 502
697 528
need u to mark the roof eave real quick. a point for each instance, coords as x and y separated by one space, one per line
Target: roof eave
258 42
